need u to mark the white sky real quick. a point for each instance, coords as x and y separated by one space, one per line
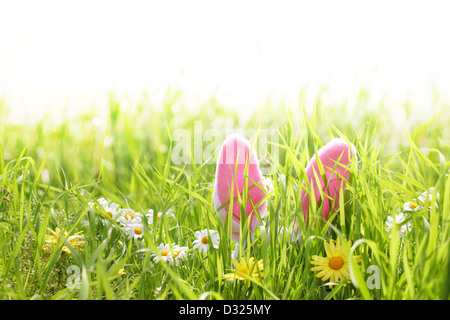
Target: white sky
57 54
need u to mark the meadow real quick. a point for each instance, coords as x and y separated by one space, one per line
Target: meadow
62 184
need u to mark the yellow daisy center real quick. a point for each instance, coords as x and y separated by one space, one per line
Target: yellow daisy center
138 231
205 240
129 216
109 213
413 205
176 253
164 253
336 263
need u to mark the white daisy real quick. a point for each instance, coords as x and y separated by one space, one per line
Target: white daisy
101 202
149 215
267 184
94 205
134 230
129 216
398 219
179 253
426 197
111 209
169 216
205 238
163 253
171 254
411 206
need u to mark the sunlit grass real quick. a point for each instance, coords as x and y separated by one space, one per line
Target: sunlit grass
51 172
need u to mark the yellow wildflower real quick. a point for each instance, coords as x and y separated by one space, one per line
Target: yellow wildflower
76 241
245 270
334 266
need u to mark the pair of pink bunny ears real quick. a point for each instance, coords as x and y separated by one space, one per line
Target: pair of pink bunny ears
238 169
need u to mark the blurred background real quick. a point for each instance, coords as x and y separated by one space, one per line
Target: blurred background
62 57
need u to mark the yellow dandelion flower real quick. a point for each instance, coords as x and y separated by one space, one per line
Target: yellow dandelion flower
334 266
76 241
244 270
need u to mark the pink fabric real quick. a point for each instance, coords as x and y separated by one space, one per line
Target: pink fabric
336 174
236 150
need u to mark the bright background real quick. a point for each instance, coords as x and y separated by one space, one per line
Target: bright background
61 57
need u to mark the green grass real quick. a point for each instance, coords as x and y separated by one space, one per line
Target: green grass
51 171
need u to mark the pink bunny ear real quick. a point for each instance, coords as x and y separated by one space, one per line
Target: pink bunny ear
231 164
335 157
